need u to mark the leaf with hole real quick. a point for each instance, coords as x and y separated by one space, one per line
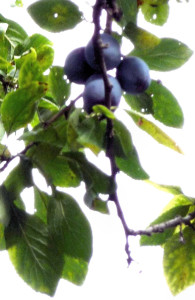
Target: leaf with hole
55 15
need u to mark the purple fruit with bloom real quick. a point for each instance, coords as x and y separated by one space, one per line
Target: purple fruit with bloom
111 53
94 92
133 75
76 67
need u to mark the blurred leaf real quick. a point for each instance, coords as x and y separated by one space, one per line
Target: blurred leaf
93 177
4 152
166 108
131 166
26 236
59 170
93 201
19 178
174 190
58 86
41 203
168 55
4 208
102 109
55 134
141 38
55 15
129 10
75 270
141 103
124 136
2 238
45 56
178 206
30 70
15 33
18 107
154 131
69 227
156 14
36 41
179 261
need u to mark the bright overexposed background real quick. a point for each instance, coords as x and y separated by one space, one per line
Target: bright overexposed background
108 276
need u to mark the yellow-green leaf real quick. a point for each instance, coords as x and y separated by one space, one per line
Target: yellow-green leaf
153 130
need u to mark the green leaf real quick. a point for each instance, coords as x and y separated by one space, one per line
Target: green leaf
41 204
178 206
45 56
5 46
91 133
15 33
154 131
69 227
58 86
129 10
4 207
93 201
55 15
141 38
75 270
30 70
2 238
86 132
19 178
55 134
179 261
166 109
156 14
102 109
131 166
174 190
59 170
93 177
27 237
4 152
124 137
36 41
141 103
168 55
18 107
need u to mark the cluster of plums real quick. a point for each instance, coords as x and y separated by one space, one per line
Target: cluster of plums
81 67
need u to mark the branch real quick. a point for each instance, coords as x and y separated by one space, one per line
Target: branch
63 111
159 228
23 152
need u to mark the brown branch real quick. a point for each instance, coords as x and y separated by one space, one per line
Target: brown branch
159 228
63 111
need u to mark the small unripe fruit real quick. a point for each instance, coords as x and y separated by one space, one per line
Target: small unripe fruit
94 92
133 75
111 53
76 67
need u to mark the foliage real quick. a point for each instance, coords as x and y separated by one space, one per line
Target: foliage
57 239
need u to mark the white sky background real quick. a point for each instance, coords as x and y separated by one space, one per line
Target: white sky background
108 275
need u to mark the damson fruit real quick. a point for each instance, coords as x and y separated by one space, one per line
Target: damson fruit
111 53
76 67
133 75
94 92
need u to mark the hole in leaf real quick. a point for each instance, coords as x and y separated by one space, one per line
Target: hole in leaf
55 15
154 17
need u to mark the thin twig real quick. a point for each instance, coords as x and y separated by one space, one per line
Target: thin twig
23 152
159 228
63 111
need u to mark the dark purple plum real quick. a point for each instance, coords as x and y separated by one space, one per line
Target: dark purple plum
112 54
76 67
133 75
94 92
